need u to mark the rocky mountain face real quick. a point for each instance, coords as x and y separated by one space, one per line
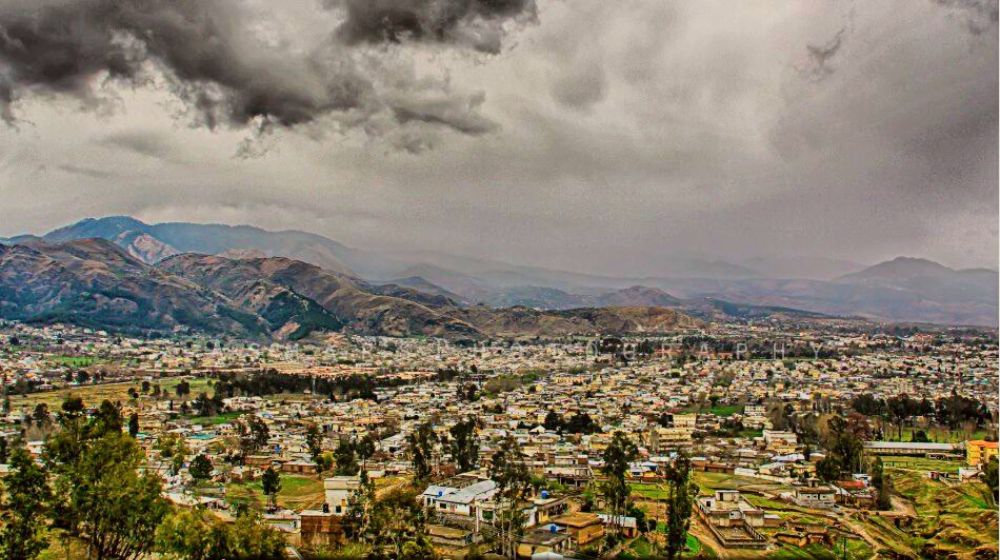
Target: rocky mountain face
96 283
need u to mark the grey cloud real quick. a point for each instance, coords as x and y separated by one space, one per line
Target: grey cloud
146 143
475 23
582 87
225 75
86 171
979 15
820 56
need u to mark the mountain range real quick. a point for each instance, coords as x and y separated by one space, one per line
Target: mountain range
900 290
94 282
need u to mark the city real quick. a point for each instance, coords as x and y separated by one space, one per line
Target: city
815 442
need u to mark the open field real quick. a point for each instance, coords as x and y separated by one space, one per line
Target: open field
92 395
297 492
952 519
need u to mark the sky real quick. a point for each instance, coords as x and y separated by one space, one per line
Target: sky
603 137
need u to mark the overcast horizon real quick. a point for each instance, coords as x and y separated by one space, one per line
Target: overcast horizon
575 135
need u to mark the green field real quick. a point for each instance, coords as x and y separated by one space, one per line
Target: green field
297 492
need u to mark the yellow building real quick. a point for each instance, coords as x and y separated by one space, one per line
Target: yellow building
979 452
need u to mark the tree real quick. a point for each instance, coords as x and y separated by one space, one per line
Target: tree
345 459
396 519
314 441
183 389
508 471
679 500
465 445
617 456
253 435
882 484
201 467
552 422
41 415
25 493
991 476
271 484
133 424
365 447
357 519
115 508
828 469
196 534
422 442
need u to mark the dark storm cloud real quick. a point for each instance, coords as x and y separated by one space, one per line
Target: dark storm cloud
214 64
475 23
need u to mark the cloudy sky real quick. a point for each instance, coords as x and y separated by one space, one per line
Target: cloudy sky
580 134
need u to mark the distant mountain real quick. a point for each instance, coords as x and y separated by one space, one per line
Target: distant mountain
94 283
810 268
418 284
904 289
154 242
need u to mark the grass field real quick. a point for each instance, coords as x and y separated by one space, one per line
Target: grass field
935 434
297 492
952 519
92 395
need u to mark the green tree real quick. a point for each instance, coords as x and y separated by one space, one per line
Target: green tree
133 424
828 469
271 484
25 493
396 518
991 476
200 468
314 442
465 445
115 508
617 456
508 471
365 448
882 484
422 442
679 505
345 459
357 520
196 534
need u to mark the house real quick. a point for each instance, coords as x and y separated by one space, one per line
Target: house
338 491
979 452
733 520
583 528
544 539
814 495
461 501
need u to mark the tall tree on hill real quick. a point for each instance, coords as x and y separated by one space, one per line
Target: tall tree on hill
465 445
679 505
25 493
617 456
